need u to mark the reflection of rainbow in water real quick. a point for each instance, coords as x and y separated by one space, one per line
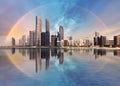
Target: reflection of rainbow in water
16 60
17 65
31 64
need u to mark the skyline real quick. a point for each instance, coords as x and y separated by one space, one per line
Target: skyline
78 16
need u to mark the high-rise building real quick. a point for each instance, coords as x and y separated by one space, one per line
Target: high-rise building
27 42
87 42
20 42
47 39
31 38
61 31
66 43
23 40
110 42
38 31
58 39
99 40
96 39
53 40
43 34
117 40
13 41
70 40
47 35
47 25
102 41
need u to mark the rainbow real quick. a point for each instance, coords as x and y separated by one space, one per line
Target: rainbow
16 31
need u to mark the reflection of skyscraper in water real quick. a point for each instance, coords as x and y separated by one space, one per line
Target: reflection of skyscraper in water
13 50
60 56
32 53
116 52
13 41
45 53
70 52
23 51
99 52
47 63
38 60
53 52
39 54
36 54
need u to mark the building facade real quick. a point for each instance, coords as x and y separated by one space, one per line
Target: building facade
32 38
102 41
43 34
96 39
13 41
66 43
38 31
61 31
23 40
117 40
53 40
47 34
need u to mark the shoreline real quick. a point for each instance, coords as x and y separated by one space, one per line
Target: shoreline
34 47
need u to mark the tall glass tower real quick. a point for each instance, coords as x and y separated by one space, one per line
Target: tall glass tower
47 25
61 31
47 35
38 31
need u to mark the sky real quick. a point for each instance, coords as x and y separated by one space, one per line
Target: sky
80 18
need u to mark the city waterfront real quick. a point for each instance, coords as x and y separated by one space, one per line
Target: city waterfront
59 67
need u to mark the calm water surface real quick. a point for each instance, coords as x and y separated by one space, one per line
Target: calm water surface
59 67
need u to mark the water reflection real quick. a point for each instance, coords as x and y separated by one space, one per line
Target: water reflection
99 52
42 54
71 66
116 52
46 53
13 50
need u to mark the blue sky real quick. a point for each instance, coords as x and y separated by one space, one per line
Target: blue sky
82 16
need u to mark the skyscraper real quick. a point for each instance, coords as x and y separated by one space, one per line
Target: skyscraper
43 34
102 41
96 39
117 40
23 40
61 31
47 35
53 40
38 31
58 39
32 38
47 25
13 41
20 42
